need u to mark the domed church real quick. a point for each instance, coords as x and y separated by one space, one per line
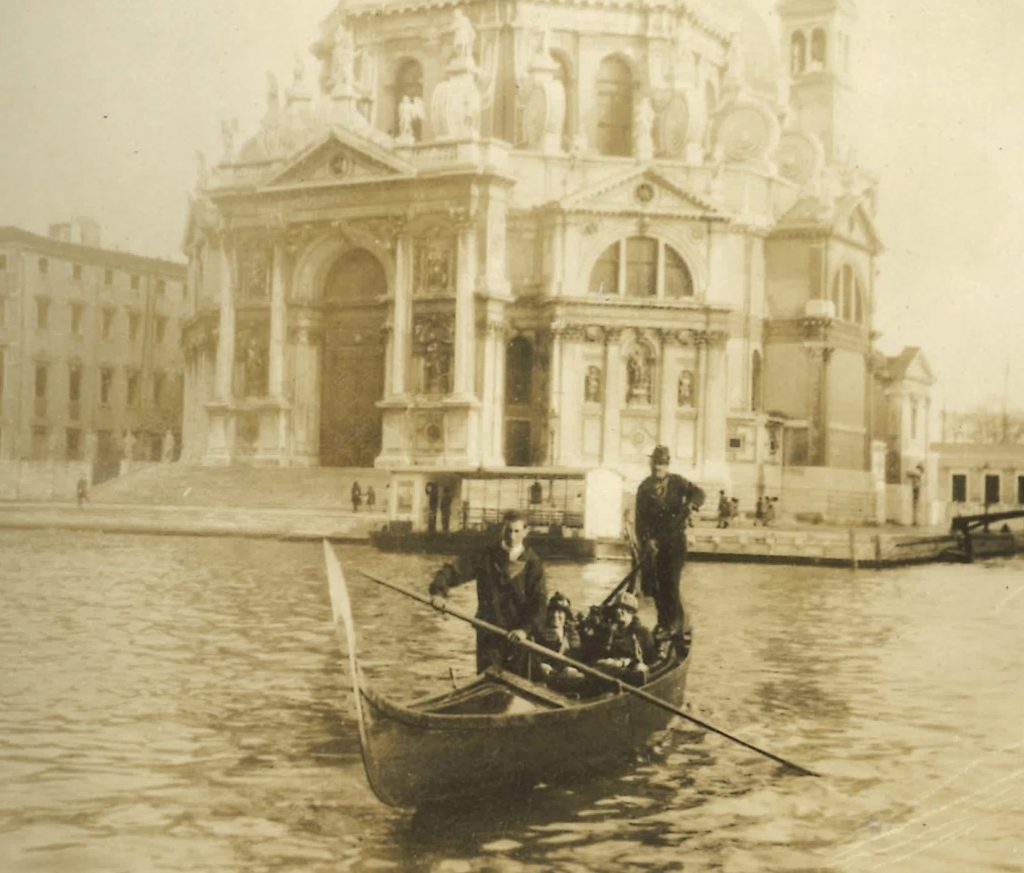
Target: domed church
547 234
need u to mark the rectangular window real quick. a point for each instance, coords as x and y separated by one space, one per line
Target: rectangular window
74 383
161 328
42 313
42 371
959 482
133 388
74 444
135 282
108 322
76 271
1020 479
106 385
39 436
133 325
108 277
158 388
44 266
76 318
991 488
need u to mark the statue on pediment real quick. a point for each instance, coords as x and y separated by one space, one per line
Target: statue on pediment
410 116
643 127
344 58
464 36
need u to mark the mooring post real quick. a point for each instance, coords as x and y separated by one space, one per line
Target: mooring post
853 549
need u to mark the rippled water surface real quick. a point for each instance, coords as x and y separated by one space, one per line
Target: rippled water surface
176 704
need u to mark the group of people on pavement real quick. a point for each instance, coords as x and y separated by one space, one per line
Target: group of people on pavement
357 497
729 509
512 594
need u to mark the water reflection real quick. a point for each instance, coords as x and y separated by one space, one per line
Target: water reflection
177 704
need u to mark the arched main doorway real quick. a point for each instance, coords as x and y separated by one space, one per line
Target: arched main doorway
352 374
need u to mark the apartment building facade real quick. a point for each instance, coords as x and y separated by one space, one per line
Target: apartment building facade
90 357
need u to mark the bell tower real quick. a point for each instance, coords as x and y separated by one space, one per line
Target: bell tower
816 38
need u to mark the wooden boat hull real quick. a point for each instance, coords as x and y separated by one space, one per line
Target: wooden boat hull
414 756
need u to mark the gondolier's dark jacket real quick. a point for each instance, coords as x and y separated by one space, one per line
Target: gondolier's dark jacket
663 518
510 594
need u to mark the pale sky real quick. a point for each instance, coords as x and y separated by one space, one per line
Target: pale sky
105 103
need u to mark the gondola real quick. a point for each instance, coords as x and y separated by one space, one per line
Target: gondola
499 731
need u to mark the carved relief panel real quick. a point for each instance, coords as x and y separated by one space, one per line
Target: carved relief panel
251 358
433 337
434 266
254 261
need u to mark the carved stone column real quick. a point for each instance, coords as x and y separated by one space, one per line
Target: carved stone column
715 404
306 403
556 406
492 413
464 383
401 317
277 316
613 398
226 326
666 396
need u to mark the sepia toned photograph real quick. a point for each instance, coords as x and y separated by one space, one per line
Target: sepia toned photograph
511 436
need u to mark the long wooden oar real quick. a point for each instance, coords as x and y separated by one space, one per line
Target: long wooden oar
589 671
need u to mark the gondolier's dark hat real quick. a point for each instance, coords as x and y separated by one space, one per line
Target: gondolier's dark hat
660 455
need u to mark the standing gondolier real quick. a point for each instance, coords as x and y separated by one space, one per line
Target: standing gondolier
510 591
663 503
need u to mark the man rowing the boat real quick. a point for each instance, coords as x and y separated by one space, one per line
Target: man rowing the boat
510 592
663 504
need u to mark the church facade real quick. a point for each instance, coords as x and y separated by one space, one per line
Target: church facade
574 232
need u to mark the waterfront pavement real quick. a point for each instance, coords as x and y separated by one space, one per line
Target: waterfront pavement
785 543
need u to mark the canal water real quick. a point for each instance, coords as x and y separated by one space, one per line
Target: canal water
180 704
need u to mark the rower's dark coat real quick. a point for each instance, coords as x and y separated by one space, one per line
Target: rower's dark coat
510 594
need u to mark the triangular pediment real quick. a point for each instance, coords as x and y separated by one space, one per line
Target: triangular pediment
639 190
853 222
341 157
919 371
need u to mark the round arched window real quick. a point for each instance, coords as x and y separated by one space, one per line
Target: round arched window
641 267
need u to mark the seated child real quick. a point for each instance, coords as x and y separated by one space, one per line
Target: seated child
559 634
622 646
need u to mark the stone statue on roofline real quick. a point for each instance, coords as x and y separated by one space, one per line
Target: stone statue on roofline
464 36
344 58
643 127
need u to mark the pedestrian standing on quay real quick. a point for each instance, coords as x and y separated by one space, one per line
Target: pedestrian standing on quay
724 510
371 497
82 491
759 512
357 496
432 507
664 501
769 510
446 509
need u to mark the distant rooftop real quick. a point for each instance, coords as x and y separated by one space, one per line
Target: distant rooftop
79 239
